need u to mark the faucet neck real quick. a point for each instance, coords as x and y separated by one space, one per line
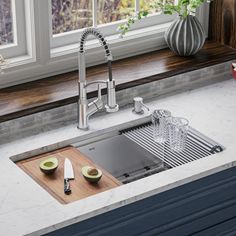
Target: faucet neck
99 36
82 68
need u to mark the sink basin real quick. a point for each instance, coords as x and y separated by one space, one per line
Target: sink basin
132 153
122 157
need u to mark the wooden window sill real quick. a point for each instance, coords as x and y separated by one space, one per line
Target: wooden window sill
36 96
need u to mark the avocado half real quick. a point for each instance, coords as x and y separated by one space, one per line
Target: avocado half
48 166
91 174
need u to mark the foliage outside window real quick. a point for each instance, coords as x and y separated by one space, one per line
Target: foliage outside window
6 23
182 7
69 15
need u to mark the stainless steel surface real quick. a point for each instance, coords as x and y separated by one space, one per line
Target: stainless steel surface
138 105
68 170
197 145
132 153
120 156
111 97
85 110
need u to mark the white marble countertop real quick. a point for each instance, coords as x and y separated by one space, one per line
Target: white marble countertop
26 208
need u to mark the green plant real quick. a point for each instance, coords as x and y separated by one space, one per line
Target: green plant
123 28
183 8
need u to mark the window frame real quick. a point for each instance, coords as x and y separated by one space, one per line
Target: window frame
41 60
18 47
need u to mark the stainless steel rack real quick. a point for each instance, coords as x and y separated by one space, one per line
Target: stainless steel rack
197 146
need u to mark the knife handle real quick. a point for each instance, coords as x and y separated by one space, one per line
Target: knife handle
67 189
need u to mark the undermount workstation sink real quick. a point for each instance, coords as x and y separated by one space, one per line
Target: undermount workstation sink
122 157
132 153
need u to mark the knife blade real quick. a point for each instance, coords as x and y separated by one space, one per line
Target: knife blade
68 175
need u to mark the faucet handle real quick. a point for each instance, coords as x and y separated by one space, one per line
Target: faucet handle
97 104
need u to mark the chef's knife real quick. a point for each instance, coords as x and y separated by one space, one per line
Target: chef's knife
68 174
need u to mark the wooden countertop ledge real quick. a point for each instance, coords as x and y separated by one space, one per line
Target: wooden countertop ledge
55 91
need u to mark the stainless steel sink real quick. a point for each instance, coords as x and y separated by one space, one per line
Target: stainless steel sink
122 157
132 153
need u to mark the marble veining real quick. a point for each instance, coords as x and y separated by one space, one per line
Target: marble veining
27 209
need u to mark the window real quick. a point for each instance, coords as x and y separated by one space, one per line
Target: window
77 14
144 4
6 23
40 38
12 28
69 17
110 11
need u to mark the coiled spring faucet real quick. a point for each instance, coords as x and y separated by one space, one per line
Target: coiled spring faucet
85 110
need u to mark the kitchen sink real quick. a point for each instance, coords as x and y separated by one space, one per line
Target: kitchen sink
122 157
131 154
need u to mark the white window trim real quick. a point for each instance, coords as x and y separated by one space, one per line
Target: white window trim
18 47
41 61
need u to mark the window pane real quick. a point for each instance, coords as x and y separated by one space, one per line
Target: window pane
146 5
68 15
6 27
114 10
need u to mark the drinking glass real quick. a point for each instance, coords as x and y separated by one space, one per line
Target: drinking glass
160 128
178 130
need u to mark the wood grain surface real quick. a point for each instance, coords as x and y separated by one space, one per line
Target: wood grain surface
54 184
28 98
222 27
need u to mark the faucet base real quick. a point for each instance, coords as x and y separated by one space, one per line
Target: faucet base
84 129
112 109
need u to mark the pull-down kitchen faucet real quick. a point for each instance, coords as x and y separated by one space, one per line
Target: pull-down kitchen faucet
85 110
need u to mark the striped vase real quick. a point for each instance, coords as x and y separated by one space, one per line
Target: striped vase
185 36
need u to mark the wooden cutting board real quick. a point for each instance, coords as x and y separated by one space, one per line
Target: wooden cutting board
54 183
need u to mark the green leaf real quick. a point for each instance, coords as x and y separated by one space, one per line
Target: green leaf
183 8
168 12
184 2
145 13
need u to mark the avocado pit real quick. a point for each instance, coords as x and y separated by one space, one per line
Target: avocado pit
92 171
91 174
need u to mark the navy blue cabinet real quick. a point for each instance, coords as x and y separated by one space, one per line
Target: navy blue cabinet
203 207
